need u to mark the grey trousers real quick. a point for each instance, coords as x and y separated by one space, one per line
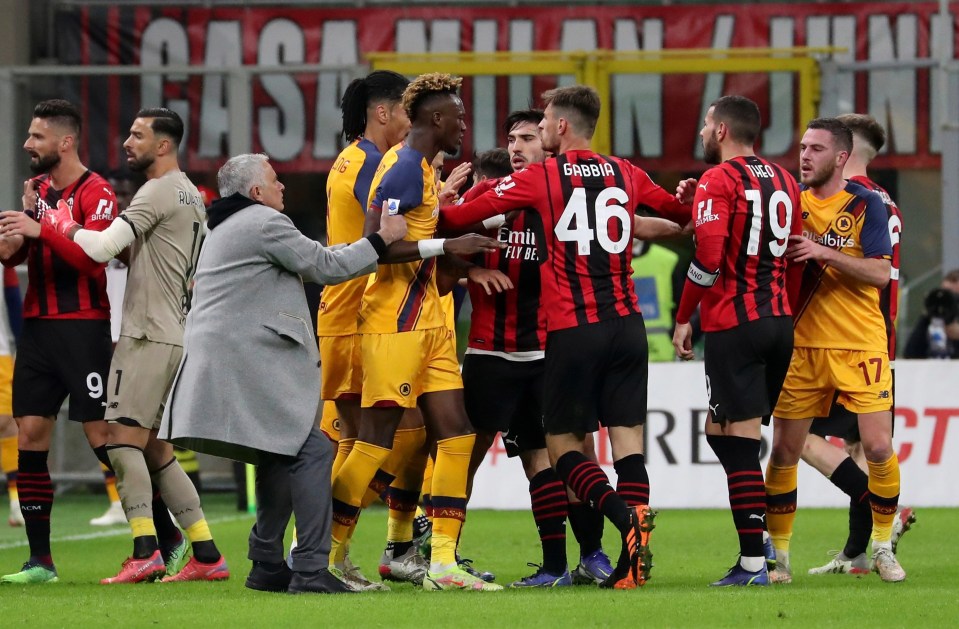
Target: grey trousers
298 485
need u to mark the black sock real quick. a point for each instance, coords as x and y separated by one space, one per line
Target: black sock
591 485
206 552
548 498
855 483
747 490
36 502
398 549
167 532
587 526
144 546
103 457
632 480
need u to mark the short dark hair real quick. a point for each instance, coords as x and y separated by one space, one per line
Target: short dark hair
741 117
840 132
165 122
378 86
60 112
580 100
534 116
865 127
492 164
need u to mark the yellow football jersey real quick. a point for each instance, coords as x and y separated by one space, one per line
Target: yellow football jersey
347 192
403 297
449 312
837 311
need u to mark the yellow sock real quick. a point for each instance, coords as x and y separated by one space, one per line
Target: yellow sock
351 484
9 457
199 531
407 449
403 495
110 483
883 496
425 497
781 485
448 492
427 480
343 449
142 526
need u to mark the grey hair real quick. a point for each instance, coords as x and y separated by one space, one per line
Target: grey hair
240 173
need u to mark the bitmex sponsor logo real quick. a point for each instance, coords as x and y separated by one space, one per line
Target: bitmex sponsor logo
707 218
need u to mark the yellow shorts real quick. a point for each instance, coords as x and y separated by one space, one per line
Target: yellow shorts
330 421
6 385
397 368
341 373
862 379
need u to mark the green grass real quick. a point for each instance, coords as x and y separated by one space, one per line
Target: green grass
691 549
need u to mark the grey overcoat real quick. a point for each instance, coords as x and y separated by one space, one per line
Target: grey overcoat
249 379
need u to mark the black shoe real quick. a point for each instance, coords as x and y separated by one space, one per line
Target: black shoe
269 577
321 582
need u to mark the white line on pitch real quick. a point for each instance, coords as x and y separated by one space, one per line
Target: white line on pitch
109 533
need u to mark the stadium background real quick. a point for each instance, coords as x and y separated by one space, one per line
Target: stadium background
216 63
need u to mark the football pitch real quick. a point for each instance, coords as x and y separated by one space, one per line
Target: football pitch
691 549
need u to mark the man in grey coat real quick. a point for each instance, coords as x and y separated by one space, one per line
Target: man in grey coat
248 384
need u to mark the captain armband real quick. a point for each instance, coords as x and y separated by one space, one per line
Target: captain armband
698 275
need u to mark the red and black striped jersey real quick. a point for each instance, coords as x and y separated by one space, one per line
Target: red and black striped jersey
511 321
888 296
63 282
745 209
586 202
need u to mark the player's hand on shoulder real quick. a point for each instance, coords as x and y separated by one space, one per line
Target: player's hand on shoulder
489 279
468 244
392 228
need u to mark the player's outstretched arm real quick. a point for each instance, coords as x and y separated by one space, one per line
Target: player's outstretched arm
872 271
99 246
655 228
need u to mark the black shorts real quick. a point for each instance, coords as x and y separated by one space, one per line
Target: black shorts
840 423
596 373
506 396
60 357
746 367
845 424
